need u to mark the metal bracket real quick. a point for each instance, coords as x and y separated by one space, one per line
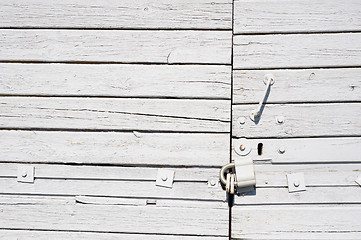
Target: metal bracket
25 173
213 182
296 182
165 178
242 147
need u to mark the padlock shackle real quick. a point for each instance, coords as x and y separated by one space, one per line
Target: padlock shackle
222 178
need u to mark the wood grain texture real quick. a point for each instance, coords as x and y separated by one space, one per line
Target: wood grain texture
116 80
303 150
306 85
125 46
139 182
115 148
116 219
312 195
139 173
300 235
46 235
316 175
114 188
300 221
301 120
297 50
115 114
264 16
153 14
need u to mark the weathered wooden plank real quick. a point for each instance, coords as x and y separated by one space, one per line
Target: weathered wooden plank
290 220
306 85
271 175
115 114
300 235
263 16
115 148
312 195
46 235
116 219
300 120
116 80
297 50
303 150
56 171
120 188
154 14
125 46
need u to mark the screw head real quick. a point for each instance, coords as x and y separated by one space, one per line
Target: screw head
280 119
164 178
24 174
242 120
242 147
281 150
213 183
296 183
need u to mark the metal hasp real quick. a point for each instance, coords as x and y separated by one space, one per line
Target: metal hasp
165 178
269 80
296 182
25 173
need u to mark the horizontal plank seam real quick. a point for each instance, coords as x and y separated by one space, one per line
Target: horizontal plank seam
115 164
130 113
296 103
116 232
298 68
108 130
300 137
114 62
111 96
107 196
170 29
295 32
296 204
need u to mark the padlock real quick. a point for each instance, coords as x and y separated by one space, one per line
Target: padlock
242 175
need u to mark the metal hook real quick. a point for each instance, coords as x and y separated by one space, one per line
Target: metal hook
269 80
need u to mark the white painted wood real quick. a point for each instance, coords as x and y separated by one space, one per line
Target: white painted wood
116 46
114 148
139 173
205 14
115 114
297 50
116 80
274 175
46 235
121 188
300 120
287 221
300 235
272 16
306 150
116 219
312 195
306 85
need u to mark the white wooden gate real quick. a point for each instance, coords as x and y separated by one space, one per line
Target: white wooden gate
102 101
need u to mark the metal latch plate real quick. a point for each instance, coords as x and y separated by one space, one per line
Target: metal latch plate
165 178
296 182
25 174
